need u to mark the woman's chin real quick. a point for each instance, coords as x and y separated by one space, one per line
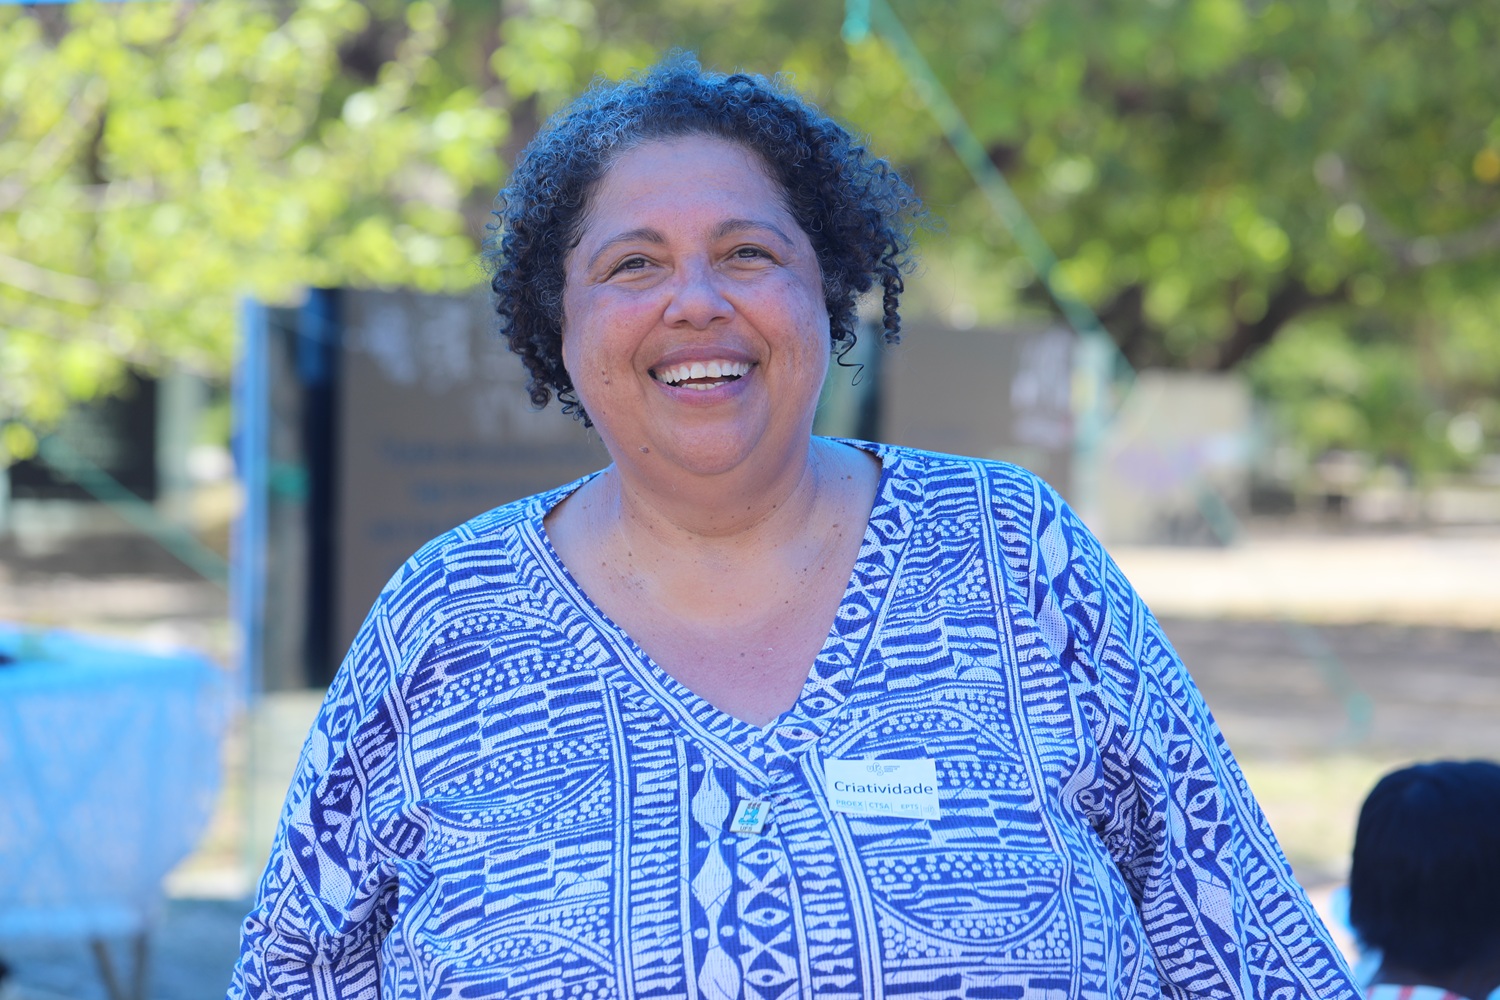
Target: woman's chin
705 450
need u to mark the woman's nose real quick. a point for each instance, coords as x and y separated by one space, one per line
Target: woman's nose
696 298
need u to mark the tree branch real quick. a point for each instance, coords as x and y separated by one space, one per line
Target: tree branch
82 116
60 287
1290 299
1124 316
48 284
95 197
1410 252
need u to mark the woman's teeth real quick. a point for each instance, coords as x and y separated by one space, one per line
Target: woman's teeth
702 374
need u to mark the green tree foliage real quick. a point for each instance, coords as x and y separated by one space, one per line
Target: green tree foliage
1306 190
160 161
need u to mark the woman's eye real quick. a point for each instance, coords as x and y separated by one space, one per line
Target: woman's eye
630 264
751 253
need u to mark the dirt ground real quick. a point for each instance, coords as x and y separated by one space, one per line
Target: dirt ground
1315 712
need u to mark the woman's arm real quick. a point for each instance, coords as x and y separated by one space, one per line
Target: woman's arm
1223 913
327 897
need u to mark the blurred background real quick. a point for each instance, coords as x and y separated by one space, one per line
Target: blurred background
1226 272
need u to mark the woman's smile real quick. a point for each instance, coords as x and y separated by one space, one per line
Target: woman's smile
702 376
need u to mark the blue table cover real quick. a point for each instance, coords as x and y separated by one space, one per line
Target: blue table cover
109 768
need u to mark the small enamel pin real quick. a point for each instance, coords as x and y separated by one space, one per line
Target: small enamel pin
751 816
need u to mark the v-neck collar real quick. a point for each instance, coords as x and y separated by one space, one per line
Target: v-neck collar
749 747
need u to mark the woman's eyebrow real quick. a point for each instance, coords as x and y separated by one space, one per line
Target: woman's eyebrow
730 227
644 234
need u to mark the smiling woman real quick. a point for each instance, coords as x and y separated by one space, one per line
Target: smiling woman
751 713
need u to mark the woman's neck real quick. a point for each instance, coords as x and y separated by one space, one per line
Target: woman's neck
712 557
759 503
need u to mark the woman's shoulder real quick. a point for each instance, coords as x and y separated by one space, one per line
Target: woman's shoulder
1034 530
498 555
494 531
936 471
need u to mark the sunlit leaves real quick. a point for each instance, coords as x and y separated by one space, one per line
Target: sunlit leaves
1195 164
160 161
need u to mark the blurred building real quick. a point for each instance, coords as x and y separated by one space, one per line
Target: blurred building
136 453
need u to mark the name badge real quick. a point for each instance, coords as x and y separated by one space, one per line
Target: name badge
904 788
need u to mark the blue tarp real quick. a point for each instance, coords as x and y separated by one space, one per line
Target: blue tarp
109 768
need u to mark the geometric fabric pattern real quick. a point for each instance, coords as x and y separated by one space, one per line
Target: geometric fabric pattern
504 797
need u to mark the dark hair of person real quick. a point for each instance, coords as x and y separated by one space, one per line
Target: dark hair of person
855 210
1424 884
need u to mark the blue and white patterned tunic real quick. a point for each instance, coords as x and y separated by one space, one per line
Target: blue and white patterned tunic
504 797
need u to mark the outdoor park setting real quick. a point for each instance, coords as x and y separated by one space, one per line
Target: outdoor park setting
1225 273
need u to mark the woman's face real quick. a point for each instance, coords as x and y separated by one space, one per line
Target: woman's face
694 325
